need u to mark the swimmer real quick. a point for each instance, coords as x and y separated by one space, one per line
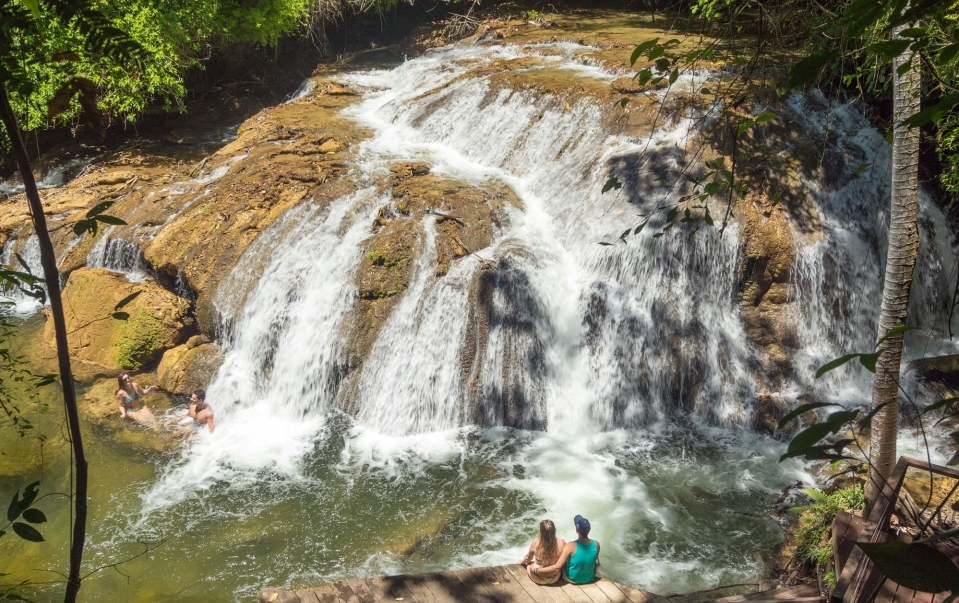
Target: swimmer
129 397
200 412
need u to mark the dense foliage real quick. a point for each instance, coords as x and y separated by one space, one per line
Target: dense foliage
812 545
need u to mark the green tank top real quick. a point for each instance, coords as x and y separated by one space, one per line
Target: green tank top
581 567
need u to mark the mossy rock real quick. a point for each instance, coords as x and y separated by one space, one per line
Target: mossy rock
119 325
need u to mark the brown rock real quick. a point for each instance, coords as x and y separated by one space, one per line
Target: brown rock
330 146
189 367
119 325
626 85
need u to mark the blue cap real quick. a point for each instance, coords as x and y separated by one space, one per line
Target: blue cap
582 525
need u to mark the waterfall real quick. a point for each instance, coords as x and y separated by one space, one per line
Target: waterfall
543 376
29 252
119 255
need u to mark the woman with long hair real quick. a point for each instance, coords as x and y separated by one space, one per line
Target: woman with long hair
544 552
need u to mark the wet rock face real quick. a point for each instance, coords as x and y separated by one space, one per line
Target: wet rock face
465 218
118 325
190 366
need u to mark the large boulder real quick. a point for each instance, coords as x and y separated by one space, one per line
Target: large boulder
189 366
118 325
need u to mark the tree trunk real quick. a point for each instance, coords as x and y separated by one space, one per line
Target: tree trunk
900 264
48 260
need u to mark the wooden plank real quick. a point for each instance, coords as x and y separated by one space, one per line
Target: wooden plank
485 577
639 596
401 592
276 595
790 592
476 588
550 593
362 591
509 583
305 595
595 594
343 592
434 583
422 593
456 588
846 529
325 594
380 589
615 595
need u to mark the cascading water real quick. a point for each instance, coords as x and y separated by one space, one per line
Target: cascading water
119 255
591 346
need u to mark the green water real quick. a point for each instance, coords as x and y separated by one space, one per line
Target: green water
677 509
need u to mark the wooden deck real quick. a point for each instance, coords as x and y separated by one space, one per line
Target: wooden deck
859 581
499 584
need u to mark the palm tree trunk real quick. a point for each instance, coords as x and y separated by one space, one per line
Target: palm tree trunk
48 261
900 264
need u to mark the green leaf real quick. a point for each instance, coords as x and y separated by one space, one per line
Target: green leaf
808 437
705 90
866 420
949 53
120 316
641 49
656 52
626 233
834 364
623 101
893 333
671 215
29 495
807 69
933 114
662 65
13 511
34 6
27 532
917 566
99 208
605 244
887 50
869 361
743 126
940 404
764 117
913 32
641 226
34 516
644 76
110 220
658 234
673 76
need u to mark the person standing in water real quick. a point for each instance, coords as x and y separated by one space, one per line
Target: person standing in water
200 412
129 396
543 552
579 557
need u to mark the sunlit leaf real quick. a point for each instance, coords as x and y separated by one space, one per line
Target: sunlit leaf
764 117
639 50
800 410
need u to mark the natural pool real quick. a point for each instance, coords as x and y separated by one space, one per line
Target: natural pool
677 508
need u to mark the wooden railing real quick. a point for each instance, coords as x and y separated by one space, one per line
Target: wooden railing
857 571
